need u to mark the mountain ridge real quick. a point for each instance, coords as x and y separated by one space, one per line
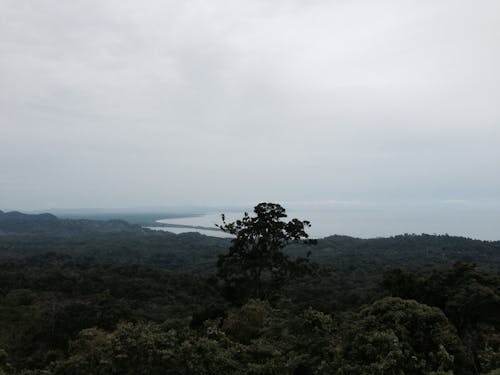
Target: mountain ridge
18 223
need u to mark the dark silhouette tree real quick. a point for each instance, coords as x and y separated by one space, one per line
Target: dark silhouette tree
256 266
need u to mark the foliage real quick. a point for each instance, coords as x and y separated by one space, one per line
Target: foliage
256 266
149 303
396 336
469 297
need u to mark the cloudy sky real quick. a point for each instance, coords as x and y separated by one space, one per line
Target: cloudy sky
128 103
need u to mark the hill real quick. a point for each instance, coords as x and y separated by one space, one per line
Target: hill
119 242
90 296
17 223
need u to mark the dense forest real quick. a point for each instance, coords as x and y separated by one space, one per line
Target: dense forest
108 297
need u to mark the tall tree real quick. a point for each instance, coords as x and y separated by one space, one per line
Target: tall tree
256 266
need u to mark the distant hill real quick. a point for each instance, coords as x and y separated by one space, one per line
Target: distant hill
411 250
117 241
17 223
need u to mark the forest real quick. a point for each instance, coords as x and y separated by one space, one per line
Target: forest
108 297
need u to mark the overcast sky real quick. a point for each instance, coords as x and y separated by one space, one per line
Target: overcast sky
127 103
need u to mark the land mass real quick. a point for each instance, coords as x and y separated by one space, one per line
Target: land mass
82 296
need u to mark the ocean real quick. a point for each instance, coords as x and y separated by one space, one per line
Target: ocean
369 220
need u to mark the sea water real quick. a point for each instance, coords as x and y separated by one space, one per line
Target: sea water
369 220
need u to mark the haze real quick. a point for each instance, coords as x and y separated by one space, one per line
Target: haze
161 103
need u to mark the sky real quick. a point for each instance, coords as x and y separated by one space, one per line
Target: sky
127 103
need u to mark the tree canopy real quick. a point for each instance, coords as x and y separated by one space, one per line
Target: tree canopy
126 303
256 265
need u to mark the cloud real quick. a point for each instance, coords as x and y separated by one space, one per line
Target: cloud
126 103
